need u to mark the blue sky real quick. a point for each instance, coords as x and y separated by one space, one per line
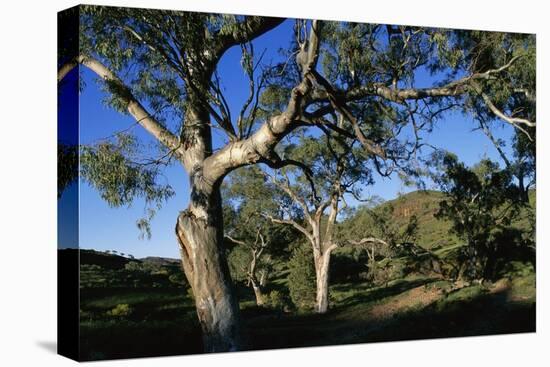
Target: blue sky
105 228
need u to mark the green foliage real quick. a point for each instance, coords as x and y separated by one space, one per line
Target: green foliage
276 300
431 233
67 166
382 222
274 98
112 169
249 197
239 262
133 266
301 278
482 203
109 167
100 271
334 165
178 279
383 271
121 310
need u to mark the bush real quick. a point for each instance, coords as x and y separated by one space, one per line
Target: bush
276 300
121 310
347 264
301 278
133 266
177 279
384 271
239 260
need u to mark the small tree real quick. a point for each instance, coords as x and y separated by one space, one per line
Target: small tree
255 239
313 196
480 202
246 260
383 238
302 278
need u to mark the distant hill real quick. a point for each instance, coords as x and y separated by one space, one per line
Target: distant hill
106 261
114 261
161 261
432 233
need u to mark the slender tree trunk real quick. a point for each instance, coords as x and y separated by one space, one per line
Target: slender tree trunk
258 293
524 192
200 234
322 263
263 278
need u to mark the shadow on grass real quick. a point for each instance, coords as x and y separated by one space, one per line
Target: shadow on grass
466 312
376 294
128 339
483 314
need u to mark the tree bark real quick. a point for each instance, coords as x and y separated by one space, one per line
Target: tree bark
205 266
199 230
321 271
322 266
258 294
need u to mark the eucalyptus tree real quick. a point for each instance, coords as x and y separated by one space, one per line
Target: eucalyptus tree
316 195
248 262
161 68
521 163
256 241
481 202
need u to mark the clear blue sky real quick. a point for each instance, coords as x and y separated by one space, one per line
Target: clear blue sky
105 228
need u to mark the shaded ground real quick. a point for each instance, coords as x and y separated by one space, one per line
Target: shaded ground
404 310
162 322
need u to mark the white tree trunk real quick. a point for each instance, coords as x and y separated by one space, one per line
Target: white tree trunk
205 266
258 294
322 263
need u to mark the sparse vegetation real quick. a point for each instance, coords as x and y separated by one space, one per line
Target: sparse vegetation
141 300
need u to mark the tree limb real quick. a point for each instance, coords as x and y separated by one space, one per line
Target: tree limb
234 240
340 106
291 223
245 31
514 121
134 107
368 240
261 144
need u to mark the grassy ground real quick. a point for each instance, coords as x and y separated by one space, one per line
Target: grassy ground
162 321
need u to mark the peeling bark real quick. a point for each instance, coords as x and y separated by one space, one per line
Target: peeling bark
199 230
204 263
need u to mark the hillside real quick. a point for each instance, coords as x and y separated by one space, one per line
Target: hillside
432 233
148 308
160 261
105 260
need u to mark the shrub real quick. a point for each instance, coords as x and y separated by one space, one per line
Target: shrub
133 266
276 300
177 279
384 271
121 310
301 278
